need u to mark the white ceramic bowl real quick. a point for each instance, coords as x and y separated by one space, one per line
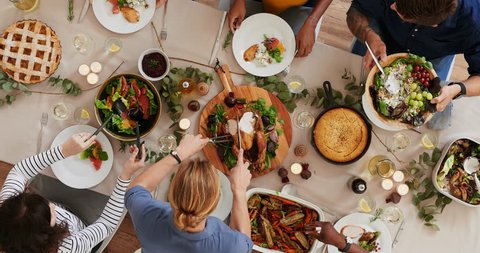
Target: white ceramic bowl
437 168
316 244
149 51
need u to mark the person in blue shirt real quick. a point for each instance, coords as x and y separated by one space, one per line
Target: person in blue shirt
436 29
184 224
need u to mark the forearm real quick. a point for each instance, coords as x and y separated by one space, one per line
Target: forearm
358 24
355 248
473 86
153 175
317 12
240 219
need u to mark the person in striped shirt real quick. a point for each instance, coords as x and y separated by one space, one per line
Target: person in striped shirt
31 223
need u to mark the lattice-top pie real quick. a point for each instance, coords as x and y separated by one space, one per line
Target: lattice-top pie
30 51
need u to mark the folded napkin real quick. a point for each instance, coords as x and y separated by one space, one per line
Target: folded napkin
192 30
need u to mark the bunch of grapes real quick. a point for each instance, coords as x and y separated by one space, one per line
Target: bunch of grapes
421 74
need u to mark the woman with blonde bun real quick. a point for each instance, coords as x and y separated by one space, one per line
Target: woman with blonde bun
184 225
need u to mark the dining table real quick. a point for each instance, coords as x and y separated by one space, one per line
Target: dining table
192 41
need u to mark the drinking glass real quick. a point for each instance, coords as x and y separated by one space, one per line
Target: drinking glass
372 164
25 5
82 43
296 84
392 214
429 140
304 120
366 204
113 45
167 143
81 115
385 168
398 141
61 111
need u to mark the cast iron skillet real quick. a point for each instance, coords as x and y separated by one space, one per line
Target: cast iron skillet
330 106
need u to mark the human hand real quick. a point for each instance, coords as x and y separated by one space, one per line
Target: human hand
447 93
160 3
378 48
239 175
190 145
305 40
77 143
133 164
236 15
327 234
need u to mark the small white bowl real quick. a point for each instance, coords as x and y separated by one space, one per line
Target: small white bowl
149 51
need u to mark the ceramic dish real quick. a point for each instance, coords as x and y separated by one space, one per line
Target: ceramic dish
438 167
316 244
78 173
140 65
252 31
116 22
363 220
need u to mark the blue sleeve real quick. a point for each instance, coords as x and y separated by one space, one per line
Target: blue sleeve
243 239
371 8
143 209
472 54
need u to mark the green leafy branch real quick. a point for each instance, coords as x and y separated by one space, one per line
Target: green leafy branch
70 15
69 87
279 88
228 40
169 88
352 98
428 201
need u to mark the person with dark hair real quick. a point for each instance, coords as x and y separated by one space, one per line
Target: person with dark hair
29 223
436 29
302 15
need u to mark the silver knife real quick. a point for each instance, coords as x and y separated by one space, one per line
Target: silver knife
400 229
217 40
239 136
375 58
83 13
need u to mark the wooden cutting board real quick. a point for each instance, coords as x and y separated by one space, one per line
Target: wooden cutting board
250 93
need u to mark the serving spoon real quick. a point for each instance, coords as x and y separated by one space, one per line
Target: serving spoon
471 165
136 114
118 108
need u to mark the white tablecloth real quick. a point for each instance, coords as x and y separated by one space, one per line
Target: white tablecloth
327 186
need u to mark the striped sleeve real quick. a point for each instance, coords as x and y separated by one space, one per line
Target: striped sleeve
93 234
19 175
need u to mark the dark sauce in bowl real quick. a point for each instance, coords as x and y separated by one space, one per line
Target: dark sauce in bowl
154 64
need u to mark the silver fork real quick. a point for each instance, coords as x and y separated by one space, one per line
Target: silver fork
163 33
43 122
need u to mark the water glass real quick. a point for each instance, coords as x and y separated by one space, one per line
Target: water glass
385 168
82 43
25 5
304 120
366 204
372 164
296 84
167 143
81 115
113 45
392 214
398 142
61 111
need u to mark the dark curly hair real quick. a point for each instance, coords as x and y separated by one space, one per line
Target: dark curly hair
25 225
426 12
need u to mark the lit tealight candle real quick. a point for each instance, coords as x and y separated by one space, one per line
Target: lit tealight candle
92 78
402 189
83 69
296 168
96 67
398 176
387 184
184 124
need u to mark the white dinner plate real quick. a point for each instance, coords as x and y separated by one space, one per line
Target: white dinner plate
363 220
252 31
225 202
78 173
116 22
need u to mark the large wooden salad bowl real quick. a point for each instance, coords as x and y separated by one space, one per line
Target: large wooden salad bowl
145 125
250 93
371 110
